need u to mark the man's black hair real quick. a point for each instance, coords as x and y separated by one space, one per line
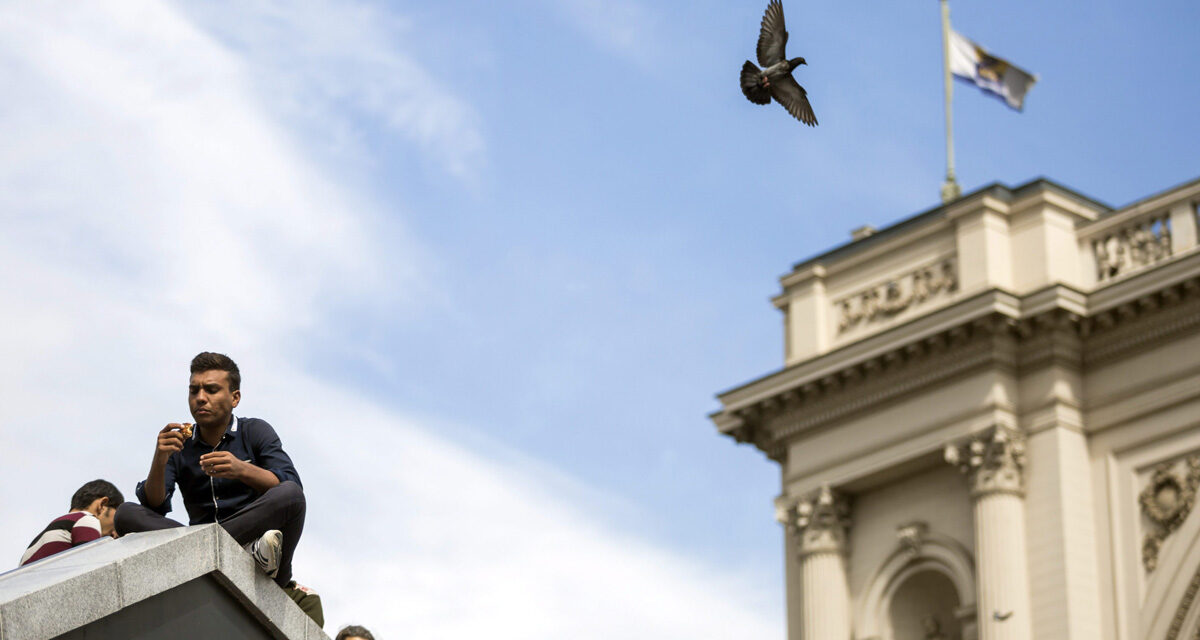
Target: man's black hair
209 361
96 489
353 631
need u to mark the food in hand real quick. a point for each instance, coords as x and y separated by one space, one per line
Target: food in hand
186 430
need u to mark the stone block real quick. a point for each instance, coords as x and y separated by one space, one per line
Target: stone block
62 606
82 585
161 562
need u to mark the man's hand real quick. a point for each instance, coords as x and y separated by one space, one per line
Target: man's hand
223 464
170 440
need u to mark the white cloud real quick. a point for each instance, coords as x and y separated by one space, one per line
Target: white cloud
332 61
152 206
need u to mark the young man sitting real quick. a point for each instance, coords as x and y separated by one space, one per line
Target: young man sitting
91 518
232 471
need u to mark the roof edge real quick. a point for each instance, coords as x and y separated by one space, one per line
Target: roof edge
997 190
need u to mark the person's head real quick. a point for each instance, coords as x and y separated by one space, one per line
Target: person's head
101 499
354 632
214 389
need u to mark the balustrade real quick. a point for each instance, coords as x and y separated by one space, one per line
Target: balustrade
1138 244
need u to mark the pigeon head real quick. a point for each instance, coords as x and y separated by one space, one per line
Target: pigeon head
795 62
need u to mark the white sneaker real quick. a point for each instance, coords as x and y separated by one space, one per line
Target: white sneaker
266 551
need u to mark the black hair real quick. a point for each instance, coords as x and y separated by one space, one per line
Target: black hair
354 631
209 361
88 493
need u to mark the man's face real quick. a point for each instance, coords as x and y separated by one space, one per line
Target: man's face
210 399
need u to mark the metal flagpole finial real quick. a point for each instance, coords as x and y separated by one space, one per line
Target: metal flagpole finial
950 190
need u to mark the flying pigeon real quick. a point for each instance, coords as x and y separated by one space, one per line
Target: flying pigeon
775 79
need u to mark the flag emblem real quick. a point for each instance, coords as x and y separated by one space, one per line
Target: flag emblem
997 76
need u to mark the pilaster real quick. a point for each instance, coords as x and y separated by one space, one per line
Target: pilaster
1064 584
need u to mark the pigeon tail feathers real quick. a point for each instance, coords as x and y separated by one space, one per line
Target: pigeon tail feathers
752 85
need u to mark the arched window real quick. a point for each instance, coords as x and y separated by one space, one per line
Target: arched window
924 590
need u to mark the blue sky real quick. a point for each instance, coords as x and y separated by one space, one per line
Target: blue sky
484 265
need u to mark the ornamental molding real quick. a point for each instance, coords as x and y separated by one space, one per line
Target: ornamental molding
819 522
880 302
993 461
1166 502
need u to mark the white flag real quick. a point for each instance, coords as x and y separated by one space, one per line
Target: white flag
997 76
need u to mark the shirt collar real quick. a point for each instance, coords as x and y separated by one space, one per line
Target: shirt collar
232 428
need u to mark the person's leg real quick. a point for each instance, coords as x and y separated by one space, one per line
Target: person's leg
132 518
281 507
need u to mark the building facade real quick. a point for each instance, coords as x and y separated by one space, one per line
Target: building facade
988 423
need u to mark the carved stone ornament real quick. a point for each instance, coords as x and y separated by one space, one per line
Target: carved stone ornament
912 536
1166 502
885 300
820 522
993 461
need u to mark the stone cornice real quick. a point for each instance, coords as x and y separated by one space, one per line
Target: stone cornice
1057 325
875 346
1134 328
875 383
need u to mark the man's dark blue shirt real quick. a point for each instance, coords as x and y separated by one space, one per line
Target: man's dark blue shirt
209 499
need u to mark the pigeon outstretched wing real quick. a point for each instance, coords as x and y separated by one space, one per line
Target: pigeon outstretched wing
772 35
794 98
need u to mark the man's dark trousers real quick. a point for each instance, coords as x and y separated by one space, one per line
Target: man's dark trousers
281 507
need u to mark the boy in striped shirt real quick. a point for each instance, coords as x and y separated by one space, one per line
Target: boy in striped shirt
91 517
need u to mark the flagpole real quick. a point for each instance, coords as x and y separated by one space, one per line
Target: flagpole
950 189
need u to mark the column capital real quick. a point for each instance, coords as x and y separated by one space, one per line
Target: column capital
819 520
992 460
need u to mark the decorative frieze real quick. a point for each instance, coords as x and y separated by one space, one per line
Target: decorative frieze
993 461
1136 245
820 521
884 300
1166 502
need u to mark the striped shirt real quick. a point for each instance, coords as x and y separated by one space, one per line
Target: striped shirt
61 534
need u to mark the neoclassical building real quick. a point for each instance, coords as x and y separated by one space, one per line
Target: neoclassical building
988 423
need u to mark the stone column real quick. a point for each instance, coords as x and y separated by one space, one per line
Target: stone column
820 522
994 464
